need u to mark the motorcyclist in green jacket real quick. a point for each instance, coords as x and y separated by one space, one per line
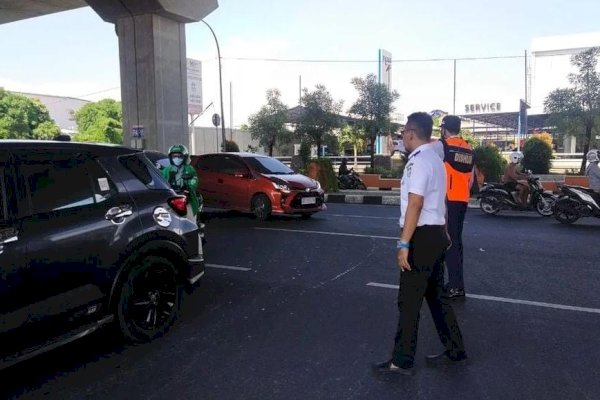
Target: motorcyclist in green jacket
182 176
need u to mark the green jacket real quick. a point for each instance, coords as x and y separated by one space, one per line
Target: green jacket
186 179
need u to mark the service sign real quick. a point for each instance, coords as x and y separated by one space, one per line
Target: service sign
482 108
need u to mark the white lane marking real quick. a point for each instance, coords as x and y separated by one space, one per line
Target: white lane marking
329 233
228 267
383 285
507 300
362 216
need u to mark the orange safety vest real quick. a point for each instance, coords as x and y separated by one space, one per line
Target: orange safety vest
458 160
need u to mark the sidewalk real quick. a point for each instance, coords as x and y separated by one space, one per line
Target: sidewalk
379 197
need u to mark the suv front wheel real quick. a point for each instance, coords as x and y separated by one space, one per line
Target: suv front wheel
149 300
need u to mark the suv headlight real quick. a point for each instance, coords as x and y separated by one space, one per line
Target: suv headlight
281 187
318 184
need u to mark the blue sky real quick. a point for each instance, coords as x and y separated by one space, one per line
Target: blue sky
75 53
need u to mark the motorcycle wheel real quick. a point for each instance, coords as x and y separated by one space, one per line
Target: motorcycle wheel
565 215
490 205
544 206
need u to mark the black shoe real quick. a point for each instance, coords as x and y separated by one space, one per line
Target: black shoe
453 293
444 359
385 368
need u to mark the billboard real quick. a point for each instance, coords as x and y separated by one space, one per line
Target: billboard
385 68
194 86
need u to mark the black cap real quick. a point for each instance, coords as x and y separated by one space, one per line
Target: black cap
451 123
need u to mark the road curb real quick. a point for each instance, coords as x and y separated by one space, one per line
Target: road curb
373 199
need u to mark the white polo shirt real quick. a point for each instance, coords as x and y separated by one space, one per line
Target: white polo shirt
425 175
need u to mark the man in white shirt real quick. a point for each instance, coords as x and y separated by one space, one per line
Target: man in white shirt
421 249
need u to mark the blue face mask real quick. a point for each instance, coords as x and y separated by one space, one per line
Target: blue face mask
177 161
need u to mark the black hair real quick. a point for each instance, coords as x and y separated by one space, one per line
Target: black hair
424 124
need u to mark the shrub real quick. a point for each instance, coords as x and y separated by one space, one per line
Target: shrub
232 146
537 155
321 169
490 162
386 172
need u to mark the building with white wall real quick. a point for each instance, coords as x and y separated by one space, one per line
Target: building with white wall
60 108
551 66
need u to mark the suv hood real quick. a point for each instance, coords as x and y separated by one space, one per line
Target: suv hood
295 181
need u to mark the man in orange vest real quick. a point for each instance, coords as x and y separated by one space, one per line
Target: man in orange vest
458 160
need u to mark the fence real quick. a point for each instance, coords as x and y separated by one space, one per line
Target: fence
561 163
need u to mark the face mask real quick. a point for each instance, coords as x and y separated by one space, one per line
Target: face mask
177 161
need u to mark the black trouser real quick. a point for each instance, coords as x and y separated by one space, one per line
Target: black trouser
426 258
454 255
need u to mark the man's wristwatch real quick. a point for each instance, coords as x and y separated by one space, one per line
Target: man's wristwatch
403 245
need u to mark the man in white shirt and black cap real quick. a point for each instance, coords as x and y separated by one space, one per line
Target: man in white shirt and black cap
421 250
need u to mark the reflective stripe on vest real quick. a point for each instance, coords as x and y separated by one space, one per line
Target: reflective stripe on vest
458 160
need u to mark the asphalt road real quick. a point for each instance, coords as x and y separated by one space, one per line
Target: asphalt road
294 309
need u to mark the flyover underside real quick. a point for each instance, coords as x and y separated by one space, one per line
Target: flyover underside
16 10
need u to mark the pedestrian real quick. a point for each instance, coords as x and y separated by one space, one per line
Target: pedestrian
459 162
592 171
420 256
183 178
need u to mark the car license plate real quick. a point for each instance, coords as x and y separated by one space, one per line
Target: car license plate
309 200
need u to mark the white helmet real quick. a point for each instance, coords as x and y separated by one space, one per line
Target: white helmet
592 156
516 157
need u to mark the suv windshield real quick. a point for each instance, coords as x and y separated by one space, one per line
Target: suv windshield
267 165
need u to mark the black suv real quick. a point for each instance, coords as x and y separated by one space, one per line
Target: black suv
89 234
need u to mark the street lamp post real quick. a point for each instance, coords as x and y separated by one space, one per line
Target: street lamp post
223 138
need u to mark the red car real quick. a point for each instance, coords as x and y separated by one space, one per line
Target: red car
258 184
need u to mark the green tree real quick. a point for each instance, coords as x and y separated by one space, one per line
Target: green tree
268 124
320 117
100 122
24 118
467 134
373 107
47 130
489 161
576 110
537 155
354 136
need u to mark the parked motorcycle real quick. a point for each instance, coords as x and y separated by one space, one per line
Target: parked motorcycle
576 202
494 197
351 180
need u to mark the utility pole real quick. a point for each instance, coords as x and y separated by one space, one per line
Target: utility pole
223 137
454 96
300 90
230 111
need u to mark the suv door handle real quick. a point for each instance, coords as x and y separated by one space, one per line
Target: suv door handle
7 236
118 214
10 240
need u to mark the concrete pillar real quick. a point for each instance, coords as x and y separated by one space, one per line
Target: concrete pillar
153 66
153 80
